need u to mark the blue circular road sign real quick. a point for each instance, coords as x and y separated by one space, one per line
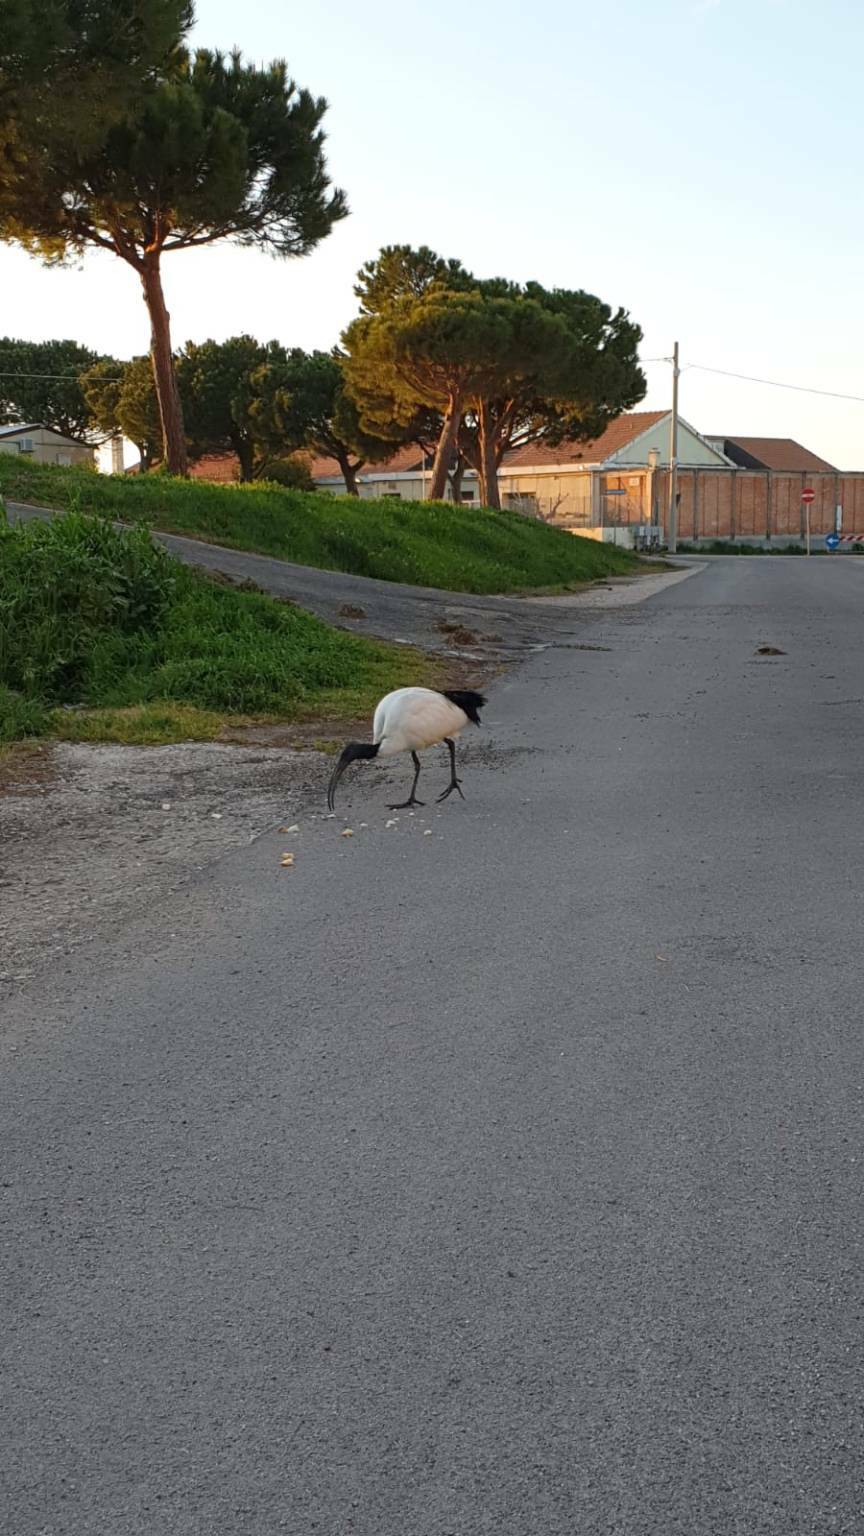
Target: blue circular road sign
832 540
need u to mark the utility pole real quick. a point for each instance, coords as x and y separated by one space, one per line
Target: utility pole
672 523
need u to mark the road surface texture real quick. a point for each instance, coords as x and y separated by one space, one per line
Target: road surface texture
91 835
457 623
503 1181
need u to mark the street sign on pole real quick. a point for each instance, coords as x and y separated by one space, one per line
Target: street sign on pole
614 493
808 495
832 540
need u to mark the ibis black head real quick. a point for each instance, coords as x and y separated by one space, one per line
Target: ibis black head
350 754
467 700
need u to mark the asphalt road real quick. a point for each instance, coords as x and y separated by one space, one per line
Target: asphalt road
500 1182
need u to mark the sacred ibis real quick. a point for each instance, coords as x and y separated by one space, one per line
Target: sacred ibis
408 720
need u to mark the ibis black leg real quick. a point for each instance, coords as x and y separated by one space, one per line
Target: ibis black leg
454 782
404 804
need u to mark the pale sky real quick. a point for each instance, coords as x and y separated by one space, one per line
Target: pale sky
698 161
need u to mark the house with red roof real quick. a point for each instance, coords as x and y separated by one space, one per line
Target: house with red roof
743 488
605 480
778 453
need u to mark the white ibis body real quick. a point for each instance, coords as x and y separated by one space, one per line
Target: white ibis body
408 720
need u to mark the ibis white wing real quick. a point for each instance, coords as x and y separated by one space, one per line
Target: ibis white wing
410 719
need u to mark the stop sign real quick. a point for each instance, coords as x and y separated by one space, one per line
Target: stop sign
808 495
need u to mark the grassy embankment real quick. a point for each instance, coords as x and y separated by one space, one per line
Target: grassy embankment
434 544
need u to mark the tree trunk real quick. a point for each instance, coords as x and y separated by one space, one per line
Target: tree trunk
349 471
469 449
456 477
446 450
489 493
170 410
245 453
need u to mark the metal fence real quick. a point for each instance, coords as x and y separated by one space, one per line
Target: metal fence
566 511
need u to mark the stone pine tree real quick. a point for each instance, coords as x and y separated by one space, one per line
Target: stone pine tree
40 381
68 69
449 351
301 402
417 352
515 364
401 272
121 398
202 148
218 394
570 386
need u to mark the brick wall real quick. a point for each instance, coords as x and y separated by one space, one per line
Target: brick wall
755 504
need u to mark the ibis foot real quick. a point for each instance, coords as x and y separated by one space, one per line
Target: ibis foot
406 804
457 785
454 782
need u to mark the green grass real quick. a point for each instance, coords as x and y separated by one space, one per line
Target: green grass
144 725
20 717
435 544
731 547
102 618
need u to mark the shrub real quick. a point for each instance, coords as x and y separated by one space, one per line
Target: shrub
292 473
99 616
20 717
64 582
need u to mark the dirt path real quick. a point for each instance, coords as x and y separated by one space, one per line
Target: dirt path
89 835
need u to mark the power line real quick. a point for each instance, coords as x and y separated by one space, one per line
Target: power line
726 373
67 378
802 389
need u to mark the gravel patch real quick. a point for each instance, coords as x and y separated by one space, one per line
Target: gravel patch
92 837
93 834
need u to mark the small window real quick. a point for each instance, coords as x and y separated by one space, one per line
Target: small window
467 495
25 445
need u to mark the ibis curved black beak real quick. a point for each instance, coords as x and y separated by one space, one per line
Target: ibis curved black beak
336 775
350 754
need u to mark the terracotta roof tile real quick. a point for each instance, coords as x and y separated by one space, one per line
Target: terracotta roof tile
780 453
215 466
616 437
403 460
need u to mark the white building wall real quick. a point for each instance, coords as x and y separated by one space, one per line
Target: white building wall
692 449
48 447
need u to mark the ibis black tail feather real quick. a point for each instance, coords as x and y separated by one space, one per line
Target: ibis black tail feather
464 699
